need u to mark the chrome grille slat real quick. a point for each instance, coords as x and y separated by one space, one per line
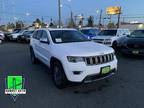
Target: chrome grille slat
91 61
96 60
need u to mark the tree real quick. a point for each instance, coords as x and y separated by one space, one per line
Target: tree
10 25
71 23
38 21
111 25
19 24
90 21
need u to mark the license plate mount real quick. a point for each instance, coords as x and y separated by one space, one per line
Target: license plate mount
105 70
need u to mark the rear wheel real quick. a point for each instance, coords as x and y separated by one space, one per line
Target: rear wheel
33 58
58 75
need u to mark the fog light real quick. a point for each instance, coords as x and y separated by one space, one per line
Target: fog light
77 72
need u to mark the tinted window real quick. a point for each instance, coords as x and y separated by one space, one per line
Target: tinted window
35 34
25 32
108 33
86 32
28 32
137 34
90 32
67 36
44 35
39 34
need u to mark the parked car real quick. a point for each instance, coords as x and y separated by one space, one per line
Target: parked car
132 44
15 34
71 56
90 32
110 37
25 37
2 36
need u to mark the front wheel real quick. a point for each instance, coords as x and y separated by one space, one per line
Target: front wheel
59 76
33 58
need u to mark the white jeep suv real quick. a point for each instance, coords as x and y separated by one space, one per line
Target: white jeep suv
71 56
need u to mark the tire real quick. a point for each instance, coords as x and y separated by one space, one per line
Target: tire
58 75
34 60
19 40
114 45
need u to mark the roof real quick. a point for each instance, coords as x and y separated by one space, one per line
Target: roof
51 29
86 28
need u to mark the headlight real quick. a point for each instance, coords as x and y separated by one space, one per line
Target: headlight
108 40
75 59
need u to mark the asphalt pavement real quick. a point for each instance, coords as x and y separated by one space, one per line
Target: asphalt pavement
123 90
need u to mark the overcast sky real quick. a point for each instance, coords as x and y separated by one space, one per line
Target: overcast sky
48 8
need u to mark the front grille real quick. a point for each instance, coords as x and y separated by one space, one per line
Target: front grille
136 46
96 60
99 40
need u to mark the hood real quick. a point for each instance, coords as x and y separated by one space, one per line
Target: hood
103 37
15 34
84 49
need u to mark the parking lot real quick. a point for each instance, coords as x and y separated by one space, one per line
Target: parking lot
124 90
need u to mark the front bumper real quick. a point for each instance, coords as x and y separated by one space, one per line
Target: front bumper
131 51
86 71
24 39
93 78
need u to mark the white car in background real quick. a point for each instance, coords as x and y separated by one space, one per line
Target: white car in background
110 37
71 56
15 35
2 36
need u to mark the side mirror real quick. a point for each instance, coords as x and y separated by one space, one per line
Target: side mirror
44 40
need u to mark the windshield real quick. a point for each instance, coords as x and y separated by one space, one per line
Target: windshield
108 33
16 31
90 32
28 32
67 36
137 34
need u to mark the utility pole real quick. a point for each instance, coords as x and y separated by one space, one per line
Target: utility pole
72 21
71 16
59 12
75 18
119 15
100 19
110 19
42 21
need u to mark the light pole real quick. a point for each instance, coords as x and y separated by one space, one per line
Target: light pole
59 12
119 15
100 18
70 8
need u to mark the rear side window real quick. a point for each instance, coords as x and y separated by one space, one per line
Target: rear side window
44 35
37 35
